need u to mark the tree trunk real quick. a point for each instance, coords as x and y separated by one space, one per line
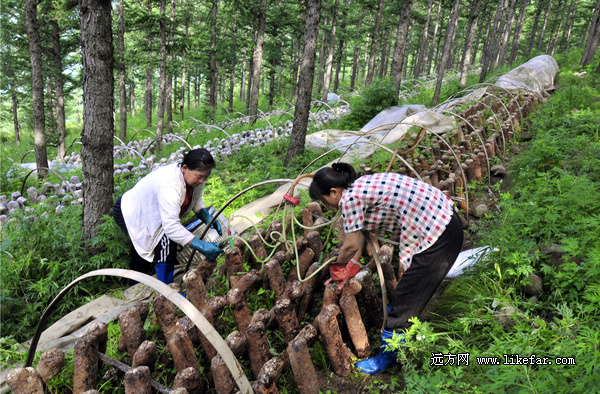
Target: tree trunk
162 84
50 114
196 87
385 43
148 105
564 44
400 47
423 49
340 51
182 89
483 30
249 78
448 41
371 69
132 96
534 29
257 62
329 62
321 68
491 42
189 86
496 44
98 106
354 72
305 82
243 73
184 79
544 25
475 10
295 70
121 66
365 62
411 30
232 71
281 61
507 31
170 83
438 43
37 88
518 29
60 98
591 45
556 33
433 40
273 70
212 93
15 101
272 74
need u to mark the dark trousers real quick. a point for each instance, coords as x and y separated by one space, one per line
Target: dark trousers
164 252
424 275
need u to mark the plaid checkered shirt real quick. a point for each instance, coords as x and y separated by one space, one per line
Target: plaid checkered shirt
412 211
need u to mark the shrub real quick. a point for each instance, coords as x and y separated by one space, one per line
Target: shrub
380 95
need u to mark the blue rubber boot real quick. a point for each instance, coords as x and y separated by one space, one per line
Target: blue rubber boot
164 272
382 361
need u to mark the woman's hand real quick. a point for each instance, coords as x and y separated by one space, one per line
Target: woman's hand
209 249
207 217
336 272
350 270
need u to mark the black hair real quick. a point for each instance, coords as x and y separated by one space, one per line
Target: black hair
198 159
338 175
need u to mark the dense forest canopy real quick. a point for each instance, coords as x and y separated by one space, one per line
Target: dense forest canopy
166 58
210 46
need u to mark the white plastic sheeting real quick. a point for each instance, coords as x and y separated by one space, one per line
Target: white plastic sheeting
467 258
390 125
536 75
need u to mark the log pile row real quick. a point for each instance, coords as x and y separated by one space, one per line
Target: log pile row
485 131
269 342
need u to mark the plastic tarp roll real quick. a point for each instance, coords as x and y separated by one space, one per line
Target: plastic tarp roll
536 75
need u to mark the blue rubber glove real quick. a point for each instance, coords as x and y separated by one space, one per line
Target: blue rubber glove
207 217
210 249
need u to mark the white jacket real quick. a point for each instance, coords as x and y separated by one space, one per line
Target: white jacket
151 209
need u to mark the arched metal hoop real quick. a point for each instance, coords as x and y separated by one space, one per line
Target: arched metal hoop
173 295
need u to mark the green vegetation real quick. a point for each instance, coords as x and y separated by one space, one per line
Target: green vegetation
379 95
554 200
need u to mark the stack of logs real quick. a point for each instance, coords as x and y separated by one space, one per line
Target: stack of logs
295 300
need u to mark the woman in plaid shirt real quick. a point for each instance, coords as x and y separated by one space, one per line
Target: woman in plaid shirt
418 215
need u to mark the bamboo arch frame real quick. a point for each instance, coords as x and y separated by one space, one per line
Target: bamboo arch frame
173 295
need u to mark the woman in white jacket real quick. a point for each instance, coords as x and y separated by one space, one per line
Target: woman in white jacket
151 213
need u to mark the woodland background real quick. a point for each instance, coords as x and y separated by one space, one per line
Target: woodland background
95 61
75 75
